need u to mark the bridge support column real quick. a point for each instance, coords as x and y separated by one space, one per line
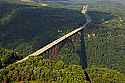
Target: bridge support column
70 44
54 52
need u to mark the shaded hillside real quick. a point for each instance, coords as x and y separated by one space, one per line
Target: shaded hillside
25 29
28 23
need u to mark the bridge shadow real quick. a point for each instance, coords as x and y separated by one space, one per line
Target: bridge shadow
83 56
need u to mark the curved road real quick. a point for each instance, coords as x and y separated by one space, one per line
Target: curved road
45 48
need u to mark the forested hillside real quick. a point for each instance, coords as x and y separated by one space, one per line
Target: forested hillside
27 27
105 35
56 71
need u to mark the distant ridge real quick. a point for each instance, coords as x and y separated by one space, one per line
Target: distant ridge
26 0
50 0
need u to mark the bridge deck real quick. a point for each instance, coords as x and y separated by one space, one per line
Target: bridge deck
45 48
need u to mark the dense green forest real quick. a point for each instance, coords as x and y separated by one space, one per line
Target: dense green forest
105 35
56 71
27 27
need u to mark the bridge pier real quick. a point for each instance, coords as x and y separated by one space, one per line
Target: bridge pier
54 52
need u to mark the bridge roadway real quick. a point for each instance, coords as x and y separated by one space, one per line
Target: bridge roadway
45 48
